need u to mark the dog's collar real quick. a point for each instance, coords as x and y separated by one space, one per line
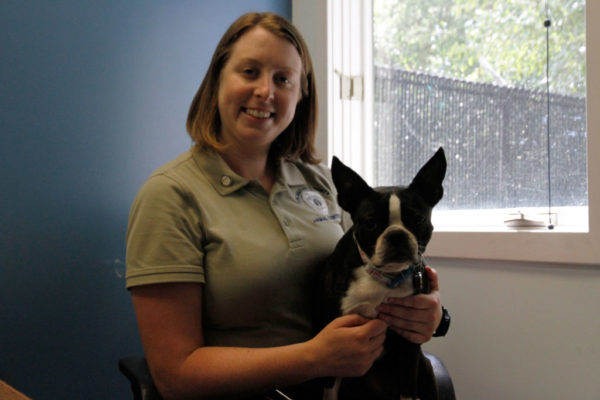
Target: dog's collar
390 280
394 280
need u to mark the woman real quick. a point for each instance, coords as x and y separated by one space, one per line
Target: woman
221 240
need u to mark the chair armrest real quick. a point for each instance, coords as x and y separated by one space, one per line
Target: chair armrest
442 378
137 371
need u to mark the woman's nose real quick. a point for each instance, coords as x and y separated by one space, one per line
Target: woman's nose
264 87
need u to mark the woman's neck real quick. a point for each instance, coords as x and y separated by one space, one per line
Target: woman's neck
251 166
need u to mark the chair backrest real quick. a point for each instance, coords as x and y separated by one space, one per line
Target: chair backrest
137 371
442 378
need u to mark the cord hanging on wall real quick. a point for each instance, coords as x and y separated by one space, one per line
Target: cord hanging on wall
547 25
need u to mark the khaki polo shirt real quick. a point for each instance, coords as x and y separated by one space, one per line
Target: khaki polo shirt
195 220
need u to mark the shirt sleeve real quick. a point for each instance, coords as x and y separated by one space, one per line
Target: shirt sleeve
164 236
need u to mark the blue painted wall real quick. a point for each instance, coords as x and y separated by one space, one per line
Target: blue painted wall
93 97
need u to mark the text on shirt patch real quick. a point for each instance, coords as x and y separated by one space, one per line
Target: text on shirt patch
333 217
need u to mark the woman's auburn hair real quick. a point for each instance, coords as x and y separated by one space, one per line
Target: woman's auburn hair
297 140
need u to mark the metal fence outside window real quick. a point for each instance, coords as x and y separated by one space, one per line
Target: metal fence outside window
494 138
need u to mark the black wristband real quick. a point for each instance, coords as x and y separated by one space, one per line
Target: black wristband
444 325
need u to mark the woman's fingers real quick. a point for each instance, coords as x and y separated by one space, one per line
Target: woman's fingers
414 317
350 344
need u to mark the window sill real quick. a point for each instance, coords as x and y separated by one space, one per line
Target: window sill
530 246
481 234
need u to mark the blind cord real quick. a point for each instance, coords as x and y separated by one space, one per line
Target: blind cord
547 24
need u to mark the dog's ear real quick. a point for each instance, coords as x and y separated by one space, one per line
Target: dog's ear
350 186
428 181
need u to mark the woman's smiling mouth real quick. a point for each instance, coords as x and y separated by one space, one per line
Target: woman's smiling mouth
257 113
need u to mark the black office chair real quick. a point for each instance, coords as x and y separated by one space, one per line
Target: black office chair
137 371
442 378
142 386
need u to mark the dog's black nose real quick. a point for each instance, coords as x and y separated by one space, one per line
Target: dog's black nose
400 247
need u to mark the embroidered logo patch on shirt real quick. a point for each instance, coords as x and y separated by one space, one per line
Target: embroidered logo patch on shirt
314 201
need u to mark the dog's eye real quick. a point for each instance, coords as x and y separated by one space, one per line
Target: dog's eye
371 225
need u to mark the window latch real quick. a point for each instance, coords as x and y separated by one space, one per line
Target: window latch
351 87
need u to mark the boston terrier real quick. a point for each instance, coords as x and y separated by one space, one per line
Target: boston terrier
381 256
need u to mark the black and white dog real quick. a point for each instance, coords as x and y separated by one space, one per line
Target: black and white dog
378 258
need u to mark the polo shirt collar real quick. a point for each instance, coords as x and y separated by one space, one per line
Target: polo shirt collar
290 175
225 181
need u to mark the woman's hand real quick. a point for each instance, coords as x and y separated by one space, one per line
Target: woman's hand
415 318
349 345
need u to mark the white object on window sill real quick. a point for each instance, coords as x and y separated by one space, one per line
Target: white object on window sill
573 219
528 223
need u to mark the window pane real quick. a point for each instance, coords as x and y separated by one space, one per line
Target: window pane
471 76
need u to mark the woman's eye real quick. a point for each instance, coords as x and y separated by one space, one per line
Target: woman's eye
249 72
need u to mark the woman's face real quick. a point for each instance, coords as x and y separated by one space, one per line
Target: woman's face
258 91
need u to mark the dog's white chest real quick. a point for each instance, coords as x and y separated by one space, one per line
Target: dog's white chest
365 294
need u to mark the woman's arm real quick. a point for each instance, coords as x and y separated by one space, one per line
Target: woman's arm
170 324
415 317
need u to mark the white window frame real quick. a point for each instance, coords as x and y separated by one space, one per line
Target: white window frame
312 17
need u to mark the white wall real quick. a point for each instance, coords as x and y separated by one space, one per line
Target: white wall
519 330
310 17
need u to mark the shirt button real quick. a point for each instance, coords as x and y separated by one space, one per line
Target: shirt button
226 180
286 222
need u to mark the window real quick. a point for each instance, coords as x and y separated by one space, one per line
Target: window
470 76
352 137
